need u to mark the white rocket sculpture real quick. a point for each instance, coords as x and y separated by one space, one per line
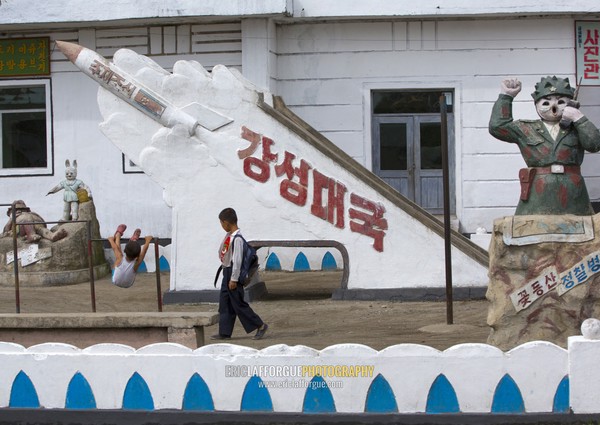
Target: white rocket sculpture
137 95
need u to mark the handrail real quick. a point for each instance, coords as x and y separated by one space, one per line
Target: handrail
311 244
90 261
16 265
157 269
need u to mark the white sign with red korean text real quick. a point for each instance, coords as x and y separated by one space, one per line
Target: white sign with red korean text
587 52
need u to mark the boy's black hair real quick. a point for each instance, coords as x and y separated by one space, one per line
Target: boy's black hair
132 249
228 215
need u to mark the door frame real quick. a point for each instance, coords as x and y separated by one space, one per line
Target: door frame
413 122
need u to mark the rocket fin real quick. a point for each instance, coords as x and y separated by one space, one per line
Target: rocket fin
206 117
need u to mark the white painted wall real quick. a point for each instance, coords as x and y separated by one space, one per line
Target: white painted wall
473 370
435 9
326 71
60 11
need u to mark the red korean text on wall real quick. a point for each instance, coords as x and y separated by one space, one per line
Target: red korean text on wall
590 55
328 196
587 52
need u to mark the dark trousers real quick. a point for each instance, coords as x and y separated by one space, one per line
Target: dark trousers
232 305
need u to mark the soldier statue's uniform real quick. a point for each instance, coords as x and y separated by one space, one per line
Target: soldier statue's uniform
552 182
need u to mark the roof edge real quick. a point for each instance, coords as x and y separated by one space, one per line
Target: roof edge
26 12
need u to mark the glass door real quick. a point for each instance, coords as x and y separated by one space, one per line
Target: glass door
407 146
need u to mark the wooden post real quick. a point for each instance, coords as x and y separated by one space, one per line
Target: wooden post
91 264
16 259
157 266
447 229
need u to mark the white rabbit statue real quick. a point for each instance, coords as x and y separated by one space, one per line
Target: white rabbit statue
71 185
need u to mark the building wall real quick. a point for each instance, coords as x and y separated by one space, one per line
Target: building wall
326 71
130 198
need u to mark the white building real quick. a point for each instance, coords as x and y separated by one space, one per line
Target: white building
367 75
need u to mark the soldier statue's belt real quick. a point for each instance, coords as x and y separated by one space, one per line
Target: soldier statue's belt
559 169
527 175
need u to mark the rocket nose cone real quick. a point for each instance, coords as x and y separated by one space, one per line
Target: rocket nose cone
70 50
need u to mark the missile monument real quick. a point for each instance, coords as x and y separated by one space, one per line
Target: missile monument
212 140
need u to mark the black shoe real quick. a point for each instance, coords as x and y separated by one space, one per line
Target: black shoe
261 332
219 337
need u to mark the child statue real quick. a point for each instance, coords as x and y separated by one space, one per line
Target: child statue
35 230
552 183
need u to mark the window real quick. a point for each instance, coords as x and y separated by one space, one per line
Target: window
410 102
25 128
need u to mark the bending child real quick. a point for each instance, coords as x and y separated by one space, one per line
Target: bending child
127 266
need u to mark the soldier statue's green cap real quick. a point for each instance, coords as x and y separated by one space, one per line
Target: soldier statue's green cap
549 86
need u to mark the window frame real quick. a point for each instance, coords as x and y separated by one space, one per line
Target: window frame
48 170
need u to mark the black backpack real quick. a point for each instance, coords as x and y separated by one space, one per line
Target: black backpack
249 263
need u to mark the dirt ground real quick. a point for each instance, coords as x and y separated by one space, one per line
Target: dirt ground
299 311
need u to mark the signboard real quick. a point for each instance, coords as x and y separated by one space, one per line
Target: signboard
31 254
24 57
534 289
586 52
550 279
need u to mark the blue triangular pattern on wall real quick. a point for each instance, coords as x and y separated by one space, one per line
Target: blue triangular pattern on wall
318 397
442 397
273 262
301 263
256 396
23 393
137 395
507 397
142 268
79 394
197 395
163 264
380 397
328 262
562 402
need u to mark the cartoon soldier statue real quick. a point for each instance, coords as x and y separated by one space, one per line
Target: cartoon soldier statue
553 150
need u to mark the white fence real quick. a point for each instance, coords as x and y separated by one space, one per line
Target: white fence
351 378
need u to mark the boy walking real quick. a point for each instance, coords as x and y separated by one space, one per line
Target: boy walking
231 297
126 266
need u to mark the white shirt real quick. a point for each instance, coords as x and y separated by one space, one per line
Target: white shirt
124 274
234 261
553 129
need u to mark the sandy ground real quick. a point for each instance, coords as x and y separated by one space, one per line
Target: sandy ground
299 311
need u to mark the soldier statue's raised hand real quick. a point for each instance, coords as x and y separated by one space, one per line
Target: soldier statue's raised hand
552 183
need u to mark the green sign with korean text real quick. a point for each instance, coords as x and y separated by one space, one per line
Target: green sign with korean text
22 57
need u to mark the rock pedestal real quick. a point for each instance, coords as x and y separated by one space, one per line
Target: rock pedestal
518 257
65 261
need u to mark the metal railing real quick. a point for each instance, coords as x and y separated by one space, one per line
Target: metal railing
311 244
157 271
90 240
